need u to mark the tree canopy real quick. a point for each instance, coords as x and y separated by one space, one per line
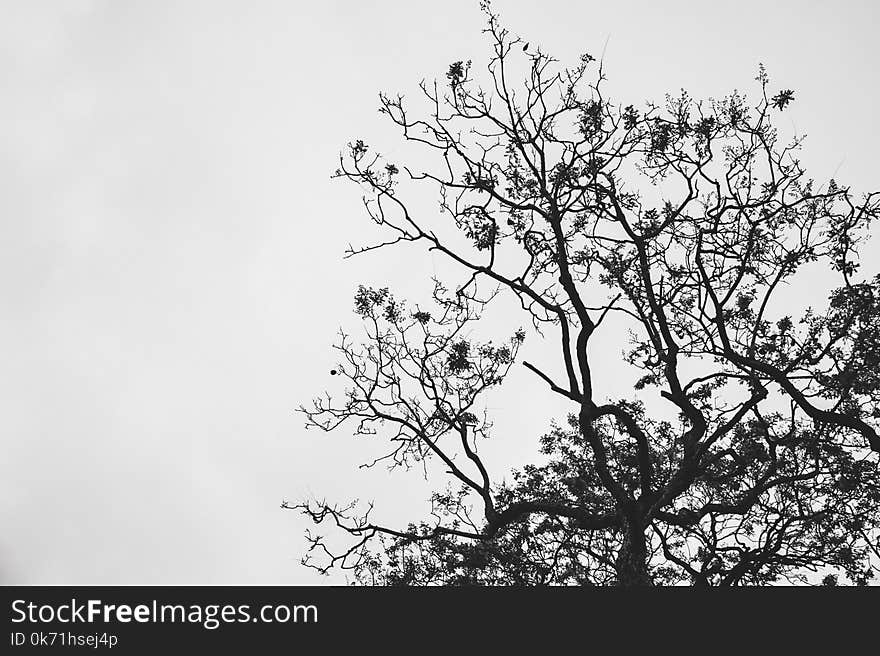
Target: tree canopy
747 451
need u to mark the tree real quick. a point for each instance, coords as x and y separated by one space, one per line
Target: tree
747 452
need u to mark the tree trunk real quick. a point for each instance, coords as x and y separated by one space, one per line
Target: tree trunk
632 559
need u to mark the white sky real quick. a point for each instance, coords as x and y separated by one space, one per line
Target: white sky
170 245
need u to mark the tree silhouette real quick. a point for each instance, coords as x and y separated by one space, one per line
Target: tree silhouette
748 450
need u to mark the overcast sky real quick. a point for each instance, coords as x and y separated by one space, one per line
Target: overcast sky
171 270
